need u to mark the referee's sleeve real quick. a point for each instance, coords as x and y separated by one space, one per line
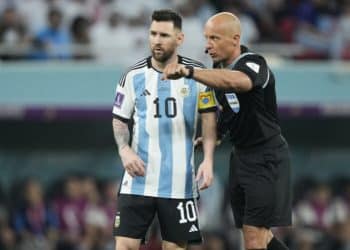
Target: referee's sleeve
256 68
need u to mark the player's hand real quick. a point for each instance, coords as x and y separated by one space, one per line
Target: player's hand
174 71
205 175
198 141
132 162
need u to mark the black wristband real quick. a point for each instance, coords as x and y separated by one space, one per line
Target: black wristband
190 70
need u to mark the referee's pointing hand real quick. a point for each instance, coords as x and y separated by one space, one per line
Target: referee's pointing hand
174 71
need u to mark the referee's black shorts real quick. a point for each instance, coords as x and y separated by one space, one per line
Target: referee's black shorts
260 185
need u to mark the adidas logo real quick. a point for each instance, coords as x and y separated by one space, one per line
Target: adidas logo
193 229
145 92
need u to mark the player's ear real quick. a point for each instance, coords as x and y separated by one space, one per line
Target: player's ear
180 37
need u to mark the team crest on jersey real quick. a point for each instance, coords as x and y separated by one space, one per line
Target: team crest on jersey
185 91
119 98
206 100
117 221
233 101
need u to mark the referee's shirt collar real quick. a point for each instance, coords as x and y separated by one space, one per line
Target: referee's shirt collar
244 49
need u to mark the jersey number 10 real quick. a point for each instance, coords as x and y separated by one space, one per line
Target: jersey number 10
170 107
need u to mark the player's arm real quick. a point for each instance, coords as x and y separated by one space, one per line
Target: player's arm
122 111
207 108
121 133
205 171
130 160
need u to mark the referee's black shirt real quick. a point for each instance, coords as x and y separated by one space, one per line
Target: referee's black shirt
250 118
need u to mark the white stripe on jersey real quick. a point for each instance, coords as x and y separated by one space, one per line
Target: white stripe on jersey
179 136
153 168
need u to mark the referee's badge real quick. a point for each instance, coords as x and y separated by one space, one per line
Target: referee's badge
232 101
117 221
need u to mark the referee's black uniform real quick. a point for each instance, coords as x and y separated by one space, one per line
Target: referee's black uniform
260 189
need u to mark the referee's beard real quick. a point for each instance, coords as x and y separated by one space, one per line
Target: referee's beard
162 56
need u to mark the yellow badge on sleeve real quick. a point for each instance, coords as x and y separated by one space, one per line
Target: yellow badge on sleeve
206 100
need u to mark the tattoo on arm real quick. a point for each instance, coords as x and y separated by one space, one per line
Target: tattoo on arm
121 133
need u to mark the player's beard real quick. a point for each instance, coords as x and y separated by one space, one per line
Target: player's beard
162 56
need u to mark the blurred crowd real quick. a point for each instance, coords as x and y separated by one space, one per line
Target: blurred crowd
77 213
117 30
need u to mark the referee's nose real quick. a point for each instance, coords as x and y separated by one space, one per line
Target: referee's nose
208 46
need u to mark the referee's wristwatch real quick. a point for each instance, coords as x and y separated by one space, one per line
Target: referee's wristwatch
190 71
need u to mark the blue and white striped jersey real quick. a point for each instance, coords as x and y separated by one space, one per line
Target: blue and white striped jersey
165 119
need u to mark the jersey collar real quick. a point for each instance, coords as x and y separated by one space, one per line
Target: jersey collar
149 62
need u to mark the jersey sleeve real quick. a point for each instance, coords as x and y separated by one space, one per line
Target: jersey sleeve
206 100
255 67
124 100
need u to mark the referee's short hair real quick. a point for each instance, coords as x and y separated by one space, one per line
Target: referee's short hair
168 15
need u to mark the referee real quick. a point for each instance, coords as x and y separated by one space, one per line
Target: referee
259 183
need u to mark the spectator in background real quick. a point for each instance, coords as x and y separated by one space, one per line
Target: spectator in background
250 32
340 43
53 41
34 13
91 9
7 236
109 190
317 211
80 32
95 218
34 221
341 229
13 35
316 218
315 28
114 38
70 209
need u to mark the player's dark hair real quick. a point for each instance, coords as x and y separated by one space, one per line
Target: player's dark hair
168 16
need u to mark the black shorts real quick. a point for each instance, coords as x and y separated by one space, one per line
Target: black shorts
178 218
260 185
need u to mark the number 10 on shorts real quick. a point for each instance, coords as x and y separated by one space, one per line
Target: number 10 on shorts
187 212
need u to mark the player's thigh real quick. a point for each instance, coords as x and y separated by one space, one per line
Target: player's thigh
178 220
134 216
166 245
125 243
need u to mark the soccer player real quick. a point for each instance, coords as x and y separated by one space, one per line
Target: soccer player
159 174
244 85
